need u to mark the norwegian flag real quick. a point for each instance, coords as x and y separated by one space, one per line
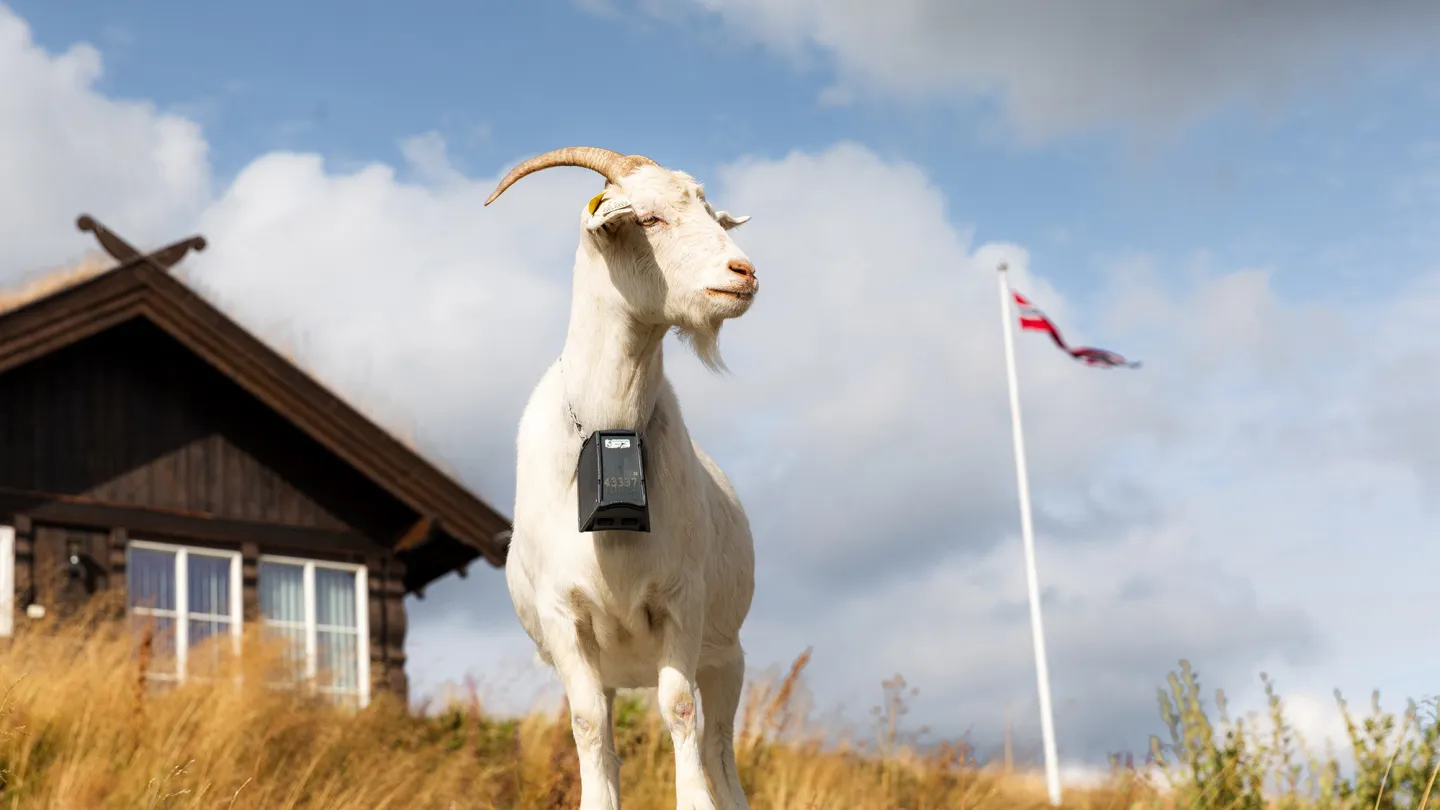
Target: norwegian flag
1032 319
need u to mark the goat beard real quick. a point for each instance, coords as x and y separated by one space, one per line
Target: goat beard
704 340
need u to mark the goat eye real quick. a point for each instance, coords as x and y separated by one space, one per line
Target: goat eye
649 220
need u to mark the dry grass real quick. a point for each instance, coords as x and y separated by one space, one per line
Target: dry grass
79 728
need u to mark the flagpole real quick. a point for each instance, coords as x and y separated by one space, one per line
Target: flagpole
1027 535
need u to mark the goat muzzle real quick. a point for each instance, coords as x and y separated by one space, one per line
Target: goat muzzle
743 267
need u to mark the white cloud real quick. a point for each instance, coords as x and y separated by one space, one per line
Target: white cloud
70 149
865 422
1056 68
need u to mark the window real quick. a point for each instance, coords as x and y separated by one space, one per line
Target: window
7 581
321 609
184 596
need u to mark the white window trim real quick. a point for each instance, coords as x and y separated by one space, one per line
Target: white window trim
362 618
182 598
7 581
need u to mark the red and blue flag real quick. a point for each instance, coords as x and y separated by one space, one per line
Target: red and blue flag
1032 319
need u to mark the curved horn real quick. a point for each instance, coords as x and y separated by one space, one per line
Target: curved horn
612 165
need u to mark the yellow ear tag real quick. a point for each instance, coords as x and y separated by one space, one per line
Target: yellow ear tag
595 202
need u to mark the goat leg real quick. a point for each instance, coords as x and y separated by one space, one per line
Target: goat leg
720 686
680 654
590 710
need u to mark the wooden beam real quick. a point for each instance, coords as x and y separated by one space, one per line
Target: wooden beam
44 326
122 251
119 538
417 534
141 520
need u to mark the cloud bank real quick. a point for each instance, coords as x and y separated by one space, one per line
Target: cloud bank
1055 69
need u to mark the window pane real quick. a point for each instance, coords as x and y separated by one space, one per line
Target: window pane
207 646
334 597
291 666
345 699
282 591
209 583
339 662
202 630
151 578
158 633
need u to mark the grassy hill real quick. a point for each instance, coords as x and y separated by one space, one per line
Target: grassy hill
81 730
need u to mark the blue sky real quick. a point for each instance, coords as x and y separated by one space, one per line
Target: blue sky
1246 201
348 78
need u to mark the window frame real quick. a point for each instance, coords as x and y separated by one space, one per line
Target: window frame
182 599
7 581
311 627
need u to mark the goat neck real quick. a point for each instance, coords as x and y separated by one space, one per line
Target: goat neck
612 362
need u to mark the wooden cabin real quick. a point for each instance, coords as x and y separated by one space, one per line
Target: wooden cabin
148 443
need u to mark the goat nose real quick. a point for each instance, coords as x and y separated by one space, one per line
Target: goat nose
743 267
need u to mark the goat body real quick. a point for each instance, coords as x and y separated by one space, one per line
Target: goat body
609 609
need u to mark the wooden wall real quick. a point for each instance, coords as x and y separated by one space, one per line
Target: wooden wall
130 416
129 435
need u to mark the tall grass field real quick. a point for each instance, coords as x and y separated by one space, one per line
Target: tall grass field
81 728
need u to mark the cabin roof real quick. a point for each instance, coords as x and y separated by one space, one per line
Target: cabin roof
61 308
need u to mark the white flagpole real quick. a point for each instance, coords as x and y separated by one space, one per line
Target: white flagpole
1027 534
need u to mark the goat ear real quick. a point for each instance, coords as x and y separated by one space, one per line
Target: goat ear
604 210
727 221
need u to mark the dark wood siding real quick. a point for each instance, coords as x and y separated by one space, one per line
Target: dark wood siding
54 585
131 417
388 626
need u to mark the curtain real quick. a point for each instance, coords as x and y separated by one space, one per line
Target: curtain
151 579
282 592
282 604
336 629
150 576
208 602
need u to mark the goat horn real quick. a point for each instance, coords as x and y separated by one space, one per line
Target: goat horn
612 165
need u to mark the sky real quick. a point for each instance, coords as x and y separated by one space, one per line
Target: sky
1246 199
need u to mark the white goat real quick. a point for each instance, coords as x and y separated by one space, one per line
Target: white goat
610 609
